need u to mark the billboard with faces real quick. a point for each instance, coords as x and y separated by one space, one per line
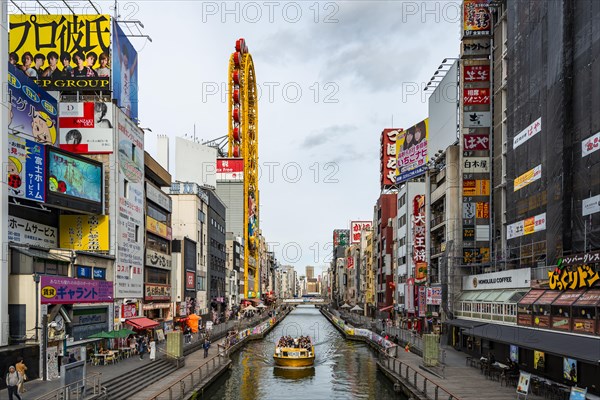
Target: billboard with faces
62 52
86 128
411 149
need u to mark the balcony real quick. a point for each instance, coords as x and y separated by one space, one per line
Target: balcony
437 221
436 250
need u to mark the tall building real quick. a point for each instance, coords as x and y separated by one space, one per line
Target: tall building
385 210
216 252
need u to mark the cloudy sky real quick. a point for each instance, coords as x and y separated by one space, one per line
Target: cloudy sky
332 75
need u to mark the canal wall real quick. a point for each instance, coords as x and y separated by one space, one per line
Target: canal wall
406 379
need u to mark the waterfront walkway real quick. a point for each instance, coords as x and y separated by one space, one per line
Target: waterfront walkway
40 388
456 377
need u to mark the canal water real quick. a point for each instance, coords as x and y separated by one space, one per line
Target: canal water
343 369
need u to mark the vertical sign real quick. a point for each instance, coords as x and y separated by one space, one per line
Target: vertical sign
387 157
418 226
356 227
475 107
129 271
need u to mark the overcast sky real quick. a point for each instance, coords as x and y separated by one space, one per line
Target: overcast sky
332 75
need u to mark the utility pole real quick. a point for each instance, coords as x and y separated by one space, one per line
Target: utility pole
4 325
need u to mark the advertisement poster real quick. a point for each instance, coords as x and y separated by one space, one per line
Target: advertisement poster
578 393
411 149
477 20
526 227
26 169
74 177
356 227
129 274
434 296
340 237
590 145
539 360
125 74
387 156
64 290
528 133
62 52
84 232
514 353
86 128
523 384
570 369
22 231
32 111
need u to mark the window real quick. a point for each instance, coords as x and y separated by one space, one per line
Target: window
402 200
157 244
157 276
137 233
133 152
125 188
157 214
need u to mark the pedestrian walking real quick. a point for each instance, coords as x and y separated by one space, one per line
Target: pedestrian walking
142 348
21 369
13 380
206 346
152 350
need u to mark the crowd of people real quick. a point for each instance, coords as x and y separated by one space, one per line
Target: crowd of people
288 341
33 66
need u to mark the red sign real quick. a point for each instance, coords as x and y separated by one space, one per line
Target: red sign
476 73
387 157
350 262
422 301
476 96
419 255
355 229
476 142
128 311
230 169
190 280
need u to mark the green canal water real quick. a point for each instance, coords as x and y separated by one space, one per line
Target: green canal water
343 369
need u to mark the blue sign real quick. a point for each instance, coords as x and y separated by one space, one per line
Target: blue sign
100 273
124 73
26 169
84 272
578 393
405 176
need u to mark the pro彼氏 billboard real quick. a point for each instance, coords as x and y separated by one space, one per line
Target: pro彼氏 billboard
62 52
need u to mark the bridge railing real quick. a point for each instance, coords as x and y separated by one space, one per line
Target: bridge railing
416 380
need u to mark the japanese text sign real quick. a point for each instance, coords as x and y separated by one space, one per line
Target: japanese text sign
526 227
340 237
476 96
355 229
476 142
581 277
528 133
418 228
73 50
86 128
590 145
64 290
479 187
477 73
387 156
411 149
528 177
22 231
26 169
84 232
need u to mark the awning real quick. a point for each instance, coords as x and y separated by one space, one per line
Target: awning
254 301
464 323
589 298
547 298
469 296
510 296
579 347
568 298
386 308
142 323
44 255
531 297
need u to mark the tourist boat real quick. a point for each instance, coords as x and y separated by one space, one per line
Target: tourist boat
293 354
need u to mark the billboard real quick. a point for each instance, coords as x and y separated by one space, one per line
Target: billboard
477 119
125 75
22 231
476 187
62 52
26 169
443 120
356 227
340 237
412 152
477 73
590 145
476 142
476 96
526 227
84 232
230 169
73 181
528 133
32 111
387 157
129 274
86 128
477 20
63 290
528 177
418 230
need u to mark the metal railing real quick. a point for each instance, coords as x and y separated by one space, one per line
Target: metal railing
415 380
79 390
181 389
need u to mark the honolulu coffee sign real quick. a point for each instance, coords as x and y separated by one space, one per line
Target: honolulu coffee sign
512 279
